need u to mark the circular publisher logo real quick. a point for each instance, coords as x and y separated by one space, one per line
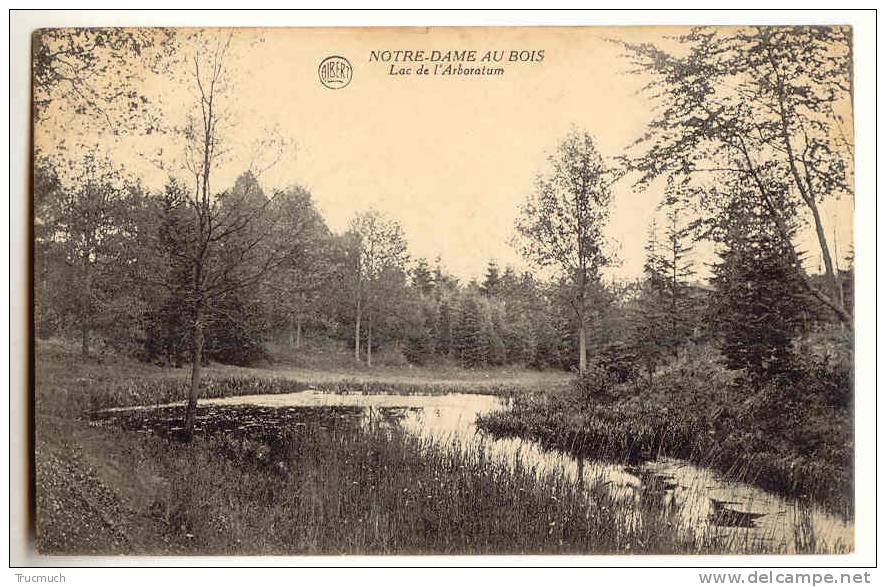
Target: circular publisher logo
335 72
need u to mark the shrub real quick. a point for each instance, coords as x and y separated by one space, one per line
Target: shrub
832 381
419 346
619 363
598 385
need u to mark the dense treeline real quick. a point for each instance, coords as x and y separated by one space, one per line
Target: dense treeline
111 270
110 274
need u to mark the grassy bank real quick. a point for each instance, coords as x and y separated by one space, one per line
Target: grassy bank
792 437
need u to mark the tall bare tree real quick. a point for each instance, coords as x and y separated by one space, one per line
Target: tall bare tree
561 223
229 241
800 75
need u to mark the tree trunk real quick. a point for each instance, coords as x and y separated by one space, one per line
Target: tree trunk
357 332
298 332
840 311
86 315
196 366
808 195
582 349
369 343
291 328
829 271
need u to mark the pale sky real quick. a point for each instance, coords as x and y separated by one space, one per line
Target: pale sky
450 157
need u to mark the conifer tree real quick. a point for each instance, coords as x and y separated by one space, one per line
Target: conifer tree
664 316
759 299
649 316
497 353
422 278
470 336
492 281
676 269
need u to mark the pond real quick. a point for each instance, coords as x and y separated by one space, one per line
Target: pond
707 502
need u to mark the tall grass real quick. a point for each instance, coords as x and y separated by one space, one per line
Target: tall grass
332 486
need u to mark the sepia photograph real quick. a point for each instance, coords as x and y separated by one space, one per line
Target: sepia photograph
499 290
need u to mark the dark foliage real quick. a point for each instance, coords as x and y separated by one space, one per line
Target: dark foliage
757 308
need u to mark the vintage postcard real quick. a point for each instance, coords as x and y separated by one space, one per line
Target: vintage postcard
443 291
